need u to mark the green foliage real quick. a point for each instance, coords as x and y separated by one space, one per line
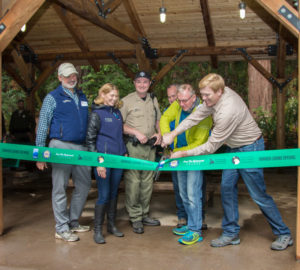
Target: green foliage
268 121
92 81
234 73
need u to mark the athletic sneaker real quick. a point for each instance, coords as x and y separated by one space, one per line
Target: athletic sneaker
282 242
190 238
67 236
224 240
180 231
80 228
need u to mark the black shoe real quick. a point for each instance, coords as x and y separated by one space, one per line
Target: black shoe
204 226
151 222
138 227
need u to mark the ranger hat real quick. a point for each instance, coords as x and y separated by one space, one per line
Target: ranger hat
142 74
66 69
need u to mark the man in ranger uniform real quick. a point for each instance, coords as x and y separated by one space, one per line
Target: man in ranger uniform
141 116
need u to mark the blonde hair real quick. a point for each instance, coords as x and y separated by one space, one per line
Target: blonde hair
105 89
213 81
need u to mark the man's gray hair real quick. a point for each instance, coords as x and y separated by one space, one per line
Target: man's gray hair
174 84
184 87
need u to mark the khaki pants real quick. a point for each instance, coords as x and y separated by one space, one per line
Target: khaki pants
138 184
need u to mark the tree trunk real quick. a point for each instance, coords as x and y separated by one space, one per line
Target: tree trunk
259 89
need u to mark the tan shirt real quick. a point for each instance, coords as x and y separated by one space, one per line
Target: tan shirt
233 124
140 114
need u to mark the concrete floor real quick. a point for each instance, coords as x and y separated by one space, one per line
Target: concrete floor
28 241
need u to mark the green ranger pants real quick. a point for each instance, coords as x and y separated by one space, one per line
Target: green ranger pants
138 184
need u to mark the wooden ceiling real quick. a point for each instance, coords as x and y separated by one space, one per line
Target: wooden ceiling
211 30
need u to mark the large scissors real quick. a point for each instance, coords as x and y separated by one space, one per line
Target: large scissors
166 154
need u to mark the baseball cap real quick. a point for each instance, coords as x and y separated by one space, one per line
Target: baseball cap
142 74
66 69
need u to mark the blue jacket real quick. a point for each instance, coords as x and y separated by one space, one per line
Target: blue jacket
69 121
105 131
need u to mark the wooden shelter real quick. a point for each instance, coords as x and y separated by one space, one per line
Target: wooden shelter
94 32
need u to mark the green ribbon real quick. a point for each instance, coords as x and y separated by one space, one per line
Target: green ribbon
75 157
239 160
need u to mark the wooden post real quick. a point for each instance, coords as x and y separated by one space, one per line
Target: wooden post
298 183
1 172
280 130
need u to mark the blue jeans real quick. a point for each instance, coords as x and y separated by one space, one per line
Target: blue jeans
178 201
108 187
254 181
190 189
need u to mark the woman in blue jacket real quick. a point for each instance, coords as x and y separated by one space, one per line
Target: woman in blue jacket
105 135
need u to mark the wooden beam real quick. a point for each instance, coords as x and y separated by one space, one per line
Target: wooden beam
133 16
44 76
15 76
15 18
143 61
209 30
122 65
1 171
77 35
280 93
24 68
298 177
259 67
273 6
137 25
89 11
112 5
125 54
174 60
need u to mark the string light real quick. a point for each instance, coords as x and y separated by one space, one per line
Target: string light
242 7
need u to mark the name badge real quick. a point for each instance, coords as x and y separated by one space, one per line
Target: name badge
84 103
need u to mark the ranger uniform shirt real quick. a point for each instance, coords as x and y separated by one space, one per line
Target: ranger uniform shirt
140 114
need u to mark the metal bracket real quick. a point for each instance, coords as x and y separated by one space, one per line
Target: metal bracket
2 27
181 52
245 53
114 58
291 17
102 12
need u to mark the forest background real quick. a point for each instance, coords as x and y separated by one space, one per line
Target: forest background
234 73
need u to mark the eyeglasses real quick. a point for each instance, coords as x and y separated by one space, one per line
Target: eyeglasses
184 100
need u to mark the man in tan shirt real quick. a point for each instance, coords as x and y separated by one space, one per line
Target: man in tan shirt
235 127
141 115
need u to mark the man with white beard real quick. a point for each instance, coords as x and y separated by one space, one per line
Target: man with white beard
65 114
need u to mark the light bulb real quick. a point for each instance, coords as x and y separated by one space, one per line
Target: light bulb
162 14
23 29
242 7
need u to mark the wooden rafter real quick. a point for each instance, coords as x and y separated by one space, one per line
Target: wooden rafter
280 93
122 65
24 68
142 60
209 30
137 25
77 35
133 16
44 76
168 52
88 11
112 5
173 61
262 70
12 73
273 6
15 18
